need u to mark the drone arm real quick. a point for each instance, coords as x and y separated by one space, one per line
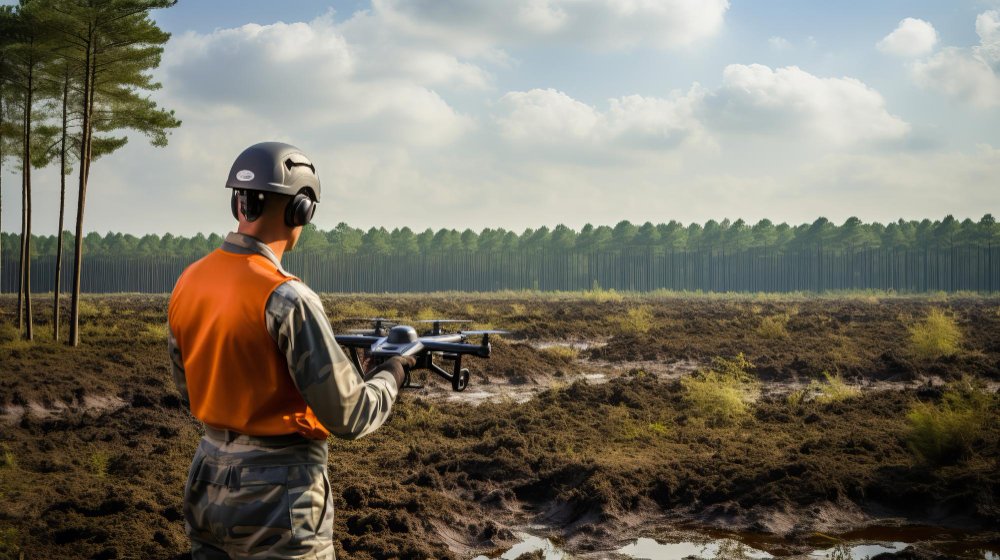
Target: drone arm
482 351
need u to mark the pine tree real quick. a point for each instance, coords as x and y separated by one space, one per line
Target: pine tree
115 45
29 50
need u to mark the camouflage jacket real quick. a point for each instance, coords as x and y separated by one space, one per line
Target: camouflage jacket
346 404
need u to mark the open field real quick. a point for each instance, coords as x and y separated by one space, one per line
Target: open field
785 423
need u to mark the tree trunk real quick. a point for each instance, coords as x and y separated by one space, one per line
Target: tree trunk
1 185
62 209
28 334
74 325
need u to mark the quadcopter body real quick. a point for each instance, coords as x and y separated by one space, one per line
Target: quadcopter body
387 339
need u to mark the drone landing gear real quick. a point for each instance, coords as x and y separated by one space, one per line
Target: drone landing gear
459 376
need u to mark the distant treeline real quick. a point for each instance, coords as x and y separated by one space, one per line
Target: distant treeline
662 238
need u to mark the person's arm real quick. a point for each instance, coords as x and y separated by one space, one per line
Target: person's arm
344 402
177 368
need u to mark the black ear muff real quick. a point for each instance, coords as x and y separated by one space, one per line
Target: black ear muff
235 206
300 210
249 203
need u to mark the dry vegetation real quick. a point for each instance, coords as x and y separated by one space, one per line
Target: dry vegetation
714 448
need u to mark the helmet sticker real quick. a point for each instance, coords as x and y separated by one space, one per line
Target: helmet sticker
244 175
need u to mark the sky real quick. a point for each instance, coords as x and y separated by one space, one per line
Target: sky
522 113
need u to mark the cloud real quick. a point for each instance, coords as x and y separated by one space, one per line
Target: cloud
546 117
757 100
970 75
602 24
911 38
787 107
309 75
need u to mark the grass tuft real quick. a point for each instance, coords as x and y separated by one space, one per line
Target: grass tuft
773 327
833 389
7 458
637 319
98 462
723 394
944 433
158 331
936 336
565 353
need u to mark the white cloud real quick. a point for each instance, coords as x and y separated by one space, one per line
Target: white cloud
911 38
971 75
787 106
600 24
757 100
552 118
309 75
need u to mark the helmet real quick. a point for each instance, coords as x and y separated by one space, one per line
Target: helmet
278 168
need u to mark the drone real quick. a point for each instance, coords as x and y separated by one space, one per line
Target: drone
388 338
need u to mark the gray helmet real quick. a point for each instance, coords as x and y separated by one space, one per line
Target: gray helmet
274 167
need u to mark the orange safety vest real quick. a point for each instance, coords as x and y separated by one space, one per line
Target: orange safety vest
237 378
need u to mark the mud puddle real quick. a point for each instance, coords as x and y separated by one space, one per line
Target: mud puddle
90 406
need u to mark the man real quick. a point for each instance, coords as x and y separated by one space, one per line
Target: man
255 359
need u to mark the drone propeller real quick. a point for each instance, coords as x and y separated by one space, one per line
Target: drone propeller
377 324
436 329
485 331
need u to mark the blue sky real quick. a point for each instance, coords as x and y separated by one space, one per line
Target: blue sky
464 113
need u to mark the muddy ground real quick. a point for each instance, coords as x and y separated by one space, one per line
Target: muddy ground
593 446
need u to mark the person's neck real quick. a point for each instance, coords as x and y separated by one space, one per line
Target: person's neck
278 244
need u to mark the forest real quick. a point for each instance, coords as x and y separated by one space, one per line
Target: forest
661 238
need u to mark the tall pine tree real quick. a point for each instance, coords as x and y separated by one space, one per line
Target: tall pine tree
115 44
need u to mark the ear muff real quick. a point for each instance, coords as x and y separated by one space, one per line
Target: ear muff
251 204
300 210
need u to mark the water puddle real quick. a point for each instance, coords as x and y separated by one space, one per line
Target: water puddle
644 548
858 552
710 549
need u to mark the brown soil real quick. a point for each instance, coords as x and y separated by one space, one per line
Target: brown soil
95 444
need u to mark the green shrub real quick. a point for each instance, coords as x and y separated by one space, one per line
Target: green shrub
724 393
97 463
637 319
834 389
943 433
936 336
597 294
773 327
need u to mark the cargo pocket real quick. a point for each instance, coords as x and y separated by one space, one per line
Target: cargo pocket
245 508
311 508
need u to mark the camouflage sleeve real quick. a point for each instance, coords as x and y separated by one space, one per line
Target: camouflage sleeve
344 402
177 368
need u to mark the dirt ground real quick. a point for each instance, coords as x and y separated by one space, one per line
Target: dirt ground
577 426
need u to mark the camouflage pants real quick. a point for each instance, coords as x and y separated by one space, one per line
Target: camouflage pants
246 499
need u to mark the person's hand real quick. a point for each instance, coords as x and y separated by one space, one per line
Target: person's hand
397 366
